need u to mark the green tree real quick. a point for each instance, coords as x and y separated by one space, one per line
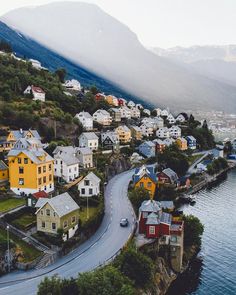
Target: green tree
50 286
137 196
193 230
61 74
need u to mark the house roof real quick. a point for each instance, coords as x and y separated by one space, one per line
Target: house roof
152 219
150 206
41 194
166 218
84 151
144 170
149 143
22 133
190 137
89 135
37 89
92 177
167 204
84 114
171 174
3 166
68 159
62 204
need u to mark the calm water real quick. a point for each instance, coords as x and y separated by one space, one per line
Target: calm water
214 271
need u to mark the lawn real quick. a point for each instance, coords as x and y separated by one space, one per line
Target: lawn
83 213
11 203
193 158
25 221
29 252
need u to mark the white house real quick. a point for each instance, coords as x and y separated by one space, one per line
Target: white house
168 141
88 140
171 119
163 132
131 104
158 112
37 92
102 117
85 156
66 166
139 106
109 139
85 119
156 122
36 64
147 112
73 85
164 113
135 112
125 112
181 118
147 129
175 131
89 186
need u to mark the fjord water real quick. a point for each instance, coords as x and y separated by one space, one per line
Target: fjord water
213 272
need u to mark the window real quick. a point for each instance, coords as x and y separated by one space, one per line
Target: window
65 224
53 225
90 191
50 177
39 170
44 179
21 170
44 169
145 214
48 212
75 168
25 160
149 184
50 167
141 184
86 182
39 181
70 170
152 230
173 239
73 219
41 211
43 224
19 160
21 181
83 191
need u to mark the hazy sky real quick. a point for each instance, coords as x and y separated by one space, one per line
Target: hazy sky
166 23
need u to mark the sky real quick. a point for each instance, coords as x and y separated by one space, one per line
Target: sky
165 23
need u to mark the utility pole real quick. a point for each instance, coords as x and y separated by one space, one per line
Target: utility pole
87 209
8 250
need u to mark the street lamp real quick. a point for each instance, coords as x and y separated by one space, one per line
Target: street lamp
8 250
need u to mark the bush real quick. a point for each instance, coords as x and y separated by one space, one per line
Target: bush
193 230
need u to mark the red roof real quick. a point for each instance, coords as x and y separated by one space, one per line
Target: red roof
37 89
41 194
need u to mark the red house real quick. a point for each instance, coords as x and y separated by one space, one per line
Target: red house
121 102
99 96
167 176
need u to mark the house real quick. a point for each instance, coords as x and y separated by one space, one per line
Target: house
135 112
147 112
100 96
182 143
167 176
136 132
233 142
131 104
72 85
121 102
36 64
165 113
85 119
33 198
85 156
89 186
175 131
182 117
110 139
139 106
66 166
60 212
192 142
31 169
156 122
115 114
125 112
124 134
135 158
163 132
218 152
168 141
160 145
102 117
88 140
145 177
37 92
111 99
148 149
171 119
147 129
158 112
4 173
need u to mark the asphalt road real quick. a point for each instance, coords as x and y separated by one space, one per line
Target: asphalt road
98 250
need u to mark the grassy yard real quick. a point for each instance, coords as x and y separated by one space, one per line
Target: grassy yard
83 213
193 158
25 221
29 253
11 203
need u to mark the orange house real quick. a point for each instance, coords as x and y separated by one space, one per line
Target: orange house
145 177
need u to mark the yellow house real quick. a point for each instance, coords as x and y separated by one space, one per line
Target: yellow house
60 212
124 134
145 177
182 143
30 167
136 132
4 175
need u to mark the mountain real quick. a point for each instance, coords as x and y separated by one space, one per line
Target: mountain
217 62
28 48
87 36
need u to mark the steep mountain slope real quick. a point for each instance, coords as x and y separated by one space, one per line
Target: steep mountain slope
86 35
218 62
26 47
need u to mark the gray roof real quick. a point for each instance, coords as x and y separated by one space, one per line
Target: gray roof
22 133
152 219
64 149
171 174
3 166
62 204
89 135
92 177
84 114
150 206
166 218
68 159
84 151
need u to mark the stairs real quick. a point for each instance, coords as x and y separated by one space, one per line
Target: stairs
47 259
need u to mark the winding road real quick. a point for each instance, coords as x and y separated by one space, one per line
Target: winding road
98 250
